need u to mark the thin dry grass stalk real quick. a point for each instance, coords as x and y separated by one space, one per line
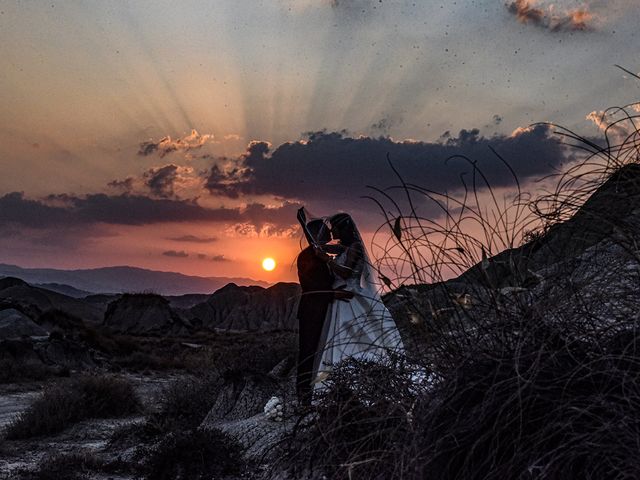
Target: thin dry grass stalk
523 375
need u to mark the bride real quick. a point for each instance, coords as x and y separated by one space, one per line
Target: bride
361 327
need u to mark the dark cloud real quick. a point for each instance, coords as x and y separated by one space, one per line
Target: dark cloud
160 180
497 119
148 147
226 182
219 258
139 210
383 126
69 211
334 167
15 209
193 239
174 253
526 12
261 216
163 181
125 185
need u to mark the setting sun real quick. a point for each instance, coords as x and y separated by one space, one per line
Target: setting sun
268 264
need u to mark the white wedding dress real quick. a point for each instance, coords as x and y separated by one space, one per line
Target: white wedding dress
361 328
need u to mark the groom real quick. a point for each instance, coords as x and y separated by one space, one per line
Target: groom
316 281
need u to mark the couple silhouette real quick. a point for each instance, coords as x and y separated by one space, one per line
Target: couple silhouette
340 313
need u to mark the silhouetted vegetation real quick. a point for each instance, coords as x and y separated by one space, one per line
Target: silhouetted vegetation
70 401
192 454
184 403
18 372
521 374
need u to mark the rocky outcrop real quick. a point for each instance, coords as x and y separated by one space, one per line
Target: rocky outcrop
249 308
54 354
583 271
7 282
144 314
15 324
239 411
44 346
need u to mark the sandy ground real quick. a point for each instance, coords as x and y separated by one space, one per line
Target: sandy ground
88 436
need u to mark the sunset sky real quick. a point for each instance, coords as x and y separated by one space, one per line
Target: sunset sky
184 135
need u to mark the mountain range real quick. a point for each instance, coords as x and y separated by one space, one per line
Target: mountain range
121 279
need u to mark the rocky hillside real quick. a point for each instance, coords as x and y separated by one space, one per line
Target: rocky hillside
587 266
144 314
611 213
249 308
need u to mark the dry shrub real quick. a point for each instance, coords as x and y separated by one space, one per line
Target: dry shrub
67 402
545 404
186 402
192 455
360 424
12 371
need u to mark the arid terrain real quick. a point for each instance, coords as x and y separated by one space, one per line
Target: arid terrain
141 386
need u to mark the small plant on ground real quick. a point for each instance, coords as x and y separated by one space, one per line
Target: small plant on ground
184 404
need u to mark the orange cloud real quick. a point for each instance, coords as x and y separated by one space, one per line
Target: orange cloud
528 12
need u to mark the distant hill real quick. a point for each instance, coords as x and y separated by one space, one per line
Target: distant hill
34 301
67 290
124 279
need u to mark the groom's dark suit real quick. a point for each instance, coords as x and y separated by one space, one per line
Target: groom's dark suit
316 281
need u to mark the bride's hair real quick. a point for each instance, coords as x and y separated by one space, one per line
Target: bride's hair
346 227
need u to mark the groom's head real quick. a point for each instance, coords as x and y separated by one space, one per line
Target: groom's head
319 230
343 228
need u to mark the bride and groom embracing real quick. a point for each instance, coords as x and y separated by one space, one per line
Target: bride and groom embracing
340 314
